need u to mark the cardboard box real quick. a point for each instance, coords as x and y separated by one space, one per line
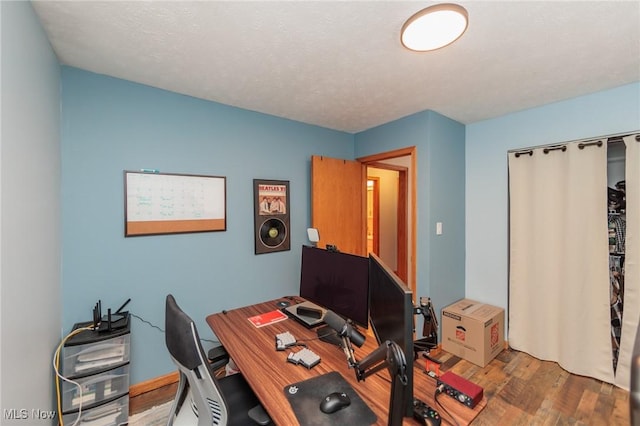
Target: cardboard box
473 331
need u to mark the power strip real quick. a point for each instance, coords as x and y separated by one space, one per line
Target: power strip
460 389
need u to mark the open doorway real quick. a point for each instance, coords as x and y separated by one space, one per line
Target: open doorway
391 224
388 216
373 215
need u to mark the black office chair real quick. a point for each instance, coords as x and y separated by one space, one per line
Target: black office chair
202 399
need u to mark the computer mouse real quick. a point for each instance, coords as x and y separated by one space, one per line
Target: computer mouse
283 303
334 402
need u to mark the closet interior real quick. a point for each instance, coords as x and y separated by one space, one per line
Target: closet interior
617 229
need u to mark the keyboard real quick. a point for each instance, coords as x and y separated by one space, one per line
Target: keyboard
305 357
284 341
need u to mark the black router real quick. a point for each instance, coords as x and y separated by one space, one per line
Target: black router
111 321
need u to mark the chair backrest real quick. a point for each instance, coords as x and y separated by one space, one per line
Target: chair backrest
184 346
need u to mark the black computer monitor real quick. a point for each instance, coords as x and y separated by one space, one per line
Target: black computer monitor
338 282
391 314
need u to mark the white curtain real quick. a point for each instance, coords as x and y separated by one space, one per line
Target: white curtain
631 311
559 258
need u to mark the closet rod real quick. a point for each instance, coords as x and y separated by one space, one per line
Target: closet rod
519 153
582 145
611 136
563 148
617 139
620 139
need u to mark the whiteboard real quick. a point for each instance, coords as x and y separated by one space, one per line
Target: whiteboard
163 203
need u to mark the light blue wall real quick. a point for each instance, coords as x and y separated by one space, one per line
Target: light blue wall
30 218
487 142
445 192
111 125
439 143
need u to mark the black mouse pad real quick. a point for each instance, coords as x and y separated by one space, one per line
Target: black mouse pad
305 398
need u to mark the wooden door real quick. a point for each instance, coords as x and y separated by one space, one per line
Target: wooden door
338 203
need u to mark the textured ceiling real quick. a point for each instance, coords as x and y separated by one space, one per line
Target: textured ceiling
341 65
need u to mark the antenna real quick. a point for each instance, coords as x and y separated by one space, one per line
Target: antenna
123 305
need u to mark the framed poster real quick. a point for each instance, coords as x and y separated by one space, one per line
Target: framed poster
271 215
170 203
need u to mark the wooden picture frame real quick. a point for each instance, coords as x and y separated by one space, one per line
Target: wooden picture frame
171 203
271 215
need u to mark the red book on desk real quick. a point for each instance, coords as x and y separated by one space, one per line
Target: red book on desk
268 318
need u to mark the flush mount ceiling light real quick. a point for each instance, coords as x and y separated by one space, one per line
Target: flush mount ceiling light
434 27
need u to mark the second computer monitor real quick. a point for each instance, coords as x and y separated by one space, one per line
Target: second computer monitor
336 281
391 312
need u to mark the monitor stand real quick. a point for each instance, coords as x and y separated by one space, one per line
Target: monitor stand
329 335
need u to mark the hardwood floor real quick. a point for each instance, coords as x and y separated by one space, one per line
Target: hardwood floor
145 401
520 389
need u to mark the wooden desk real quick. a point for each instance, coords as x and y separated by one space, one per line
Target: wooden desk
268 372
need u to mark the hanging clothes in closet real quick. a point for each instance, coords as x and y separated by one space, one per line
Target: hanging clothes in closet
617 231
